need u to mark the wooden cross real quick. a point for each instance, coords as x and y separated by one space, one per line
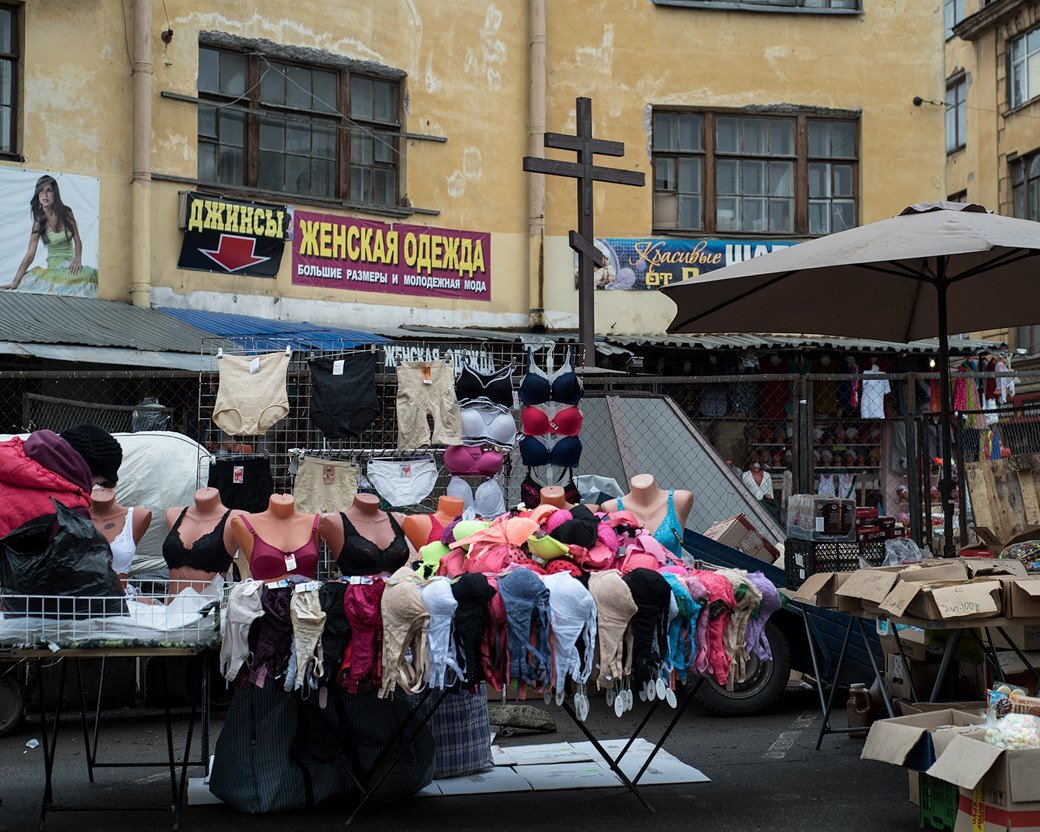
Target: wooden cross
583 240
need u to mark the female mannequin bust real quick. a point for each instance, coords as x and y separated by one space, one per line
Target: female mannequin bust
110 519
203 524
420 529
650 503
377 530
283 532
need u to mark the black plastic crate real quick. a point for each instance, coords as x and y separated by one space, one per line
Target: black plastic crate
803 558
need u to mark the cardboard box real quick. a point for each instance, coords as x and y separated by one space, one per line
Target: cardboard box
740 534
1025 636
913 644
897 682
981 811
820 589
917 741
944 601
1001 787
973 707
1021 597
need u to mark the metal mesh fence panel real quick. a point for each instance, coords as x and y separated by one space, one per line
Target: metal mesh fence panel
805 433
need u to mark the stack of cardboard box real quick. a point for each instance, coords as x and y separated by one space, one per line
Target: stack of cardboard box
999 789
935 589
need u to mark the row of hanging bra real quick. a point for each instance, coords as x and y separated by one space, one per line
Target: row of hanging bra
645 631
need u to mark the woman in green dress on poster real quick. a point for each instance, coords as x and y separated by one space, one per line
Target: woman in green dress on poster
54 223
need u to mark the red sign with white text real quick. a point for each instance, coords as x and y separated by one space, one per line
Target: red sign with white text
367 256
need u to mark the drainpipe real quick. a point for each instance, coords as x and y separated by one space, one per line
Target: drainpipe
140 188
536 182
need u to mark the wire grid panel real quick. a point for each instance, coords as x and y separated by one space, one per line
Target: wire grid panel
153 614
296 436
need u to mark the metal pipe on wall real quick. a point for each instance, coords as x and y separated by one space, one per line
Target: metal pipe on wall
140 188
536 55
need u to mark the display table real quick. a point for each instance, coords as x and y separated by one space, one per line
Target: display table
959 627
176 761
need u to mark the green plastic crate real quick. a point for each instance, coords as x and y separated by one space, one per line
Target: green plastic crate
937 802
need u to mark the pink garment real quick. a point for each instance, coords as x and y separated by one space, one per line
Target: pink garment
646 552
362 661
490 549
720 606
699 594
494 646
960 394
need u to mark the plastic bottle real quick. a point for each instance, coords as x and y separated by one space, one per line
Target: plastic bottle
859 709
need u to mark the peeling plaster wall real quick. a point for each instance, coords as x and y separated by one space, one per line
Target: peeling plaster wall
76 113
466 80
630 55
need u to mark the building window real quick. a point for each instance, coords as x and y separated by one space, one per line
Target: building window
731 173
954 15
1025 187
956 113
960 196
1025 68
281 127
8 78
678 170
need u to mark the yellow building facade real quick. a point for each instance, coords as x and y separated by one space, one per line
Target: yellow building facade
993 117
756 123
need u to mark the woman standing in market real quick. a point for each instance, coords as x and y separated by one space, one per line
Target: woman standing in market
54 223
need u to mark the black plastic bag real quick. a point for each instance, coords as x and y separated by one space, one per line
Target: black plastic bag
59 554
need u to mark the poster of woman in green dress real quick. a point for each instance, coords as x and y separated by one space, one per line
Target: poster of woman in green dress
66 263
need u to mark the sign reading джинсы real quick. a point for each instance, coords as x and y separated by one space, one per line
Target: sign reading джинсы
223 235
362 255
647 263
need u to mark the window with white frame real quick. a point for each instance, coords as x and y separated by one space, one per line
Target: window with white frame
1024 66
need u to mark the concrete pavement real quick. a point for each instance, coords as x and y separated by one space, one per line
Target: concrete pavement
765 776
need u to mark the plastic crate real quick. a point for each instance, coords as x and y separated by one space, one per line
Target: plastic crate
937 801
803 558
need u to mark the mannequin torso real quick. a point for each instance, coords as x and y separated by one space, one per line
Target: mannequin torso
195 522
280 528
370 523
649 503
419 527
109 518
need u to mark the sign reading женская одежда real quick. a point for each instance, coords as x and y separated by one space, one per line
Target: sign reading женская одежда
367 256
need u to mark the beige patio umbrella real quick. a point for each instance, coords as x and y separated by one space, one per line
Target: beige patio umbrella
937 267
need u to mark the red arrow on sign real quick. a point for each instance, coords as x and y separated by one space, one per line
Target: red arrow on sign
234 253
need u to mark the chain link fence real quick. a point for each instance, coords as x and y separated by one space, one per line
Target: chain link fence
743 443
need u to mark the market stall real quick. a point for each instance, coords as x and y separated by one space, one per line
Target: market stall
409 527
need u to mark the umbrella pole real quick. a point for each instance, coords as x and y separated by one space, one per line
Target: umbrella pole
945 416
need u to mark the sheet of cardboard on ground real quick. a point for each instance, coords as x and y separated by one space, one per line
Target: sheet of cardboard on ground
917 741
